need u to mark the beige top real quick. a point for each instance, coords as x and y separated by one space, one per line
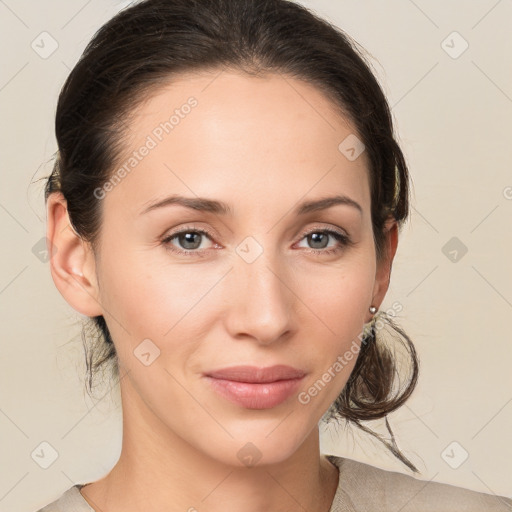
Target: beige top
364 488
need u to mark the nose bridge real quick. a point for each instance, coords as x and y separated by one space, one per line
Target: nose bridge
262 305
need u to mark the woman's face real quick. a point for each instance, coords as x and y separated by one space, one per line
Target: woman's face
270 283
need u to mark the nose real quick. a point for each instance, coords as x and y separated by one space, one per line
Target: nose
261 303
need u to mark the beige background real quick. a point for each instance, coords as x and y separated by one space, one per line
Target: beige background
454 117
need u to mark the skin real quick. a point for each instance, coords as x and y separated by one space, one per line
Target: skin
262 145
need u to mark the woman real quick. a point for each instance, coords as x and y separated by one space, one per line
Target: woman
225 205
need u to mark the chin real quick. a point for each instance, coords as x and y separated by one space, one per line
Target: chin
251 447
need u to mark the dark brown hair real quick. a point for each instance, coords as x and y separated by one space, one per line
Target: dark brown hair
143 47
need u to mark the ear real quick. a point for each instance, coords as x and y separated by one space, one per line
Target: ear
383 272
72 262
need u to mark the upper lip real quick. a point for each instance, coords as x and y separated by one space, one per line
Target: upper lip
257 375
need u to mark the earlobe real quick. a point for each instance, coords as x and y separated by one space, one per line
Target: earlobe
72 262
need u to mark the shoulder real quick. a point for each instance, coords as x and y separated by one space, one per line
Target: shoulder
368 488
70 501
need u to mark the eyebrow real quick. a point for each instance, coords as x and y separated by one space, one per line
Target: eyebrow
220 208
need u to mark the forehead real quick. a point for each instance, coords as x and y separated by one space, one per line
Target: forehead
218 133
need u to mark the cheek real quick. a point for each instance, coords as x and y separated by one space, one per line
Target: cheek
331 339
146 298
340 296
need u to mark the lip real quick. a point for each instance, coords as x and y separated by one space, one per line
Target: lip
256 388
253 374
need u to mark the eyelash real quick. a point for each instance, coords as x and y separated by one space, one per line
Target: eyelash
343 240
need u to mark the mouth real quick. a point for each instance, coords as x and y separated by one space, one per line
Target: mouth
256 388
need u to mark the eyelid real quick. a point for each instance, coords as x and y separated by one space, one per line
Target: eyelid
314 229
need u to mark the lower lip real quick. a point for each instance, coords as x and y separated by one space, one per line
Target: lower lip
256 395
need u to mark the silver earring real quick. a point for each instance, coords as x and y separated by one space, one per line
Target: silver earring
373 310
